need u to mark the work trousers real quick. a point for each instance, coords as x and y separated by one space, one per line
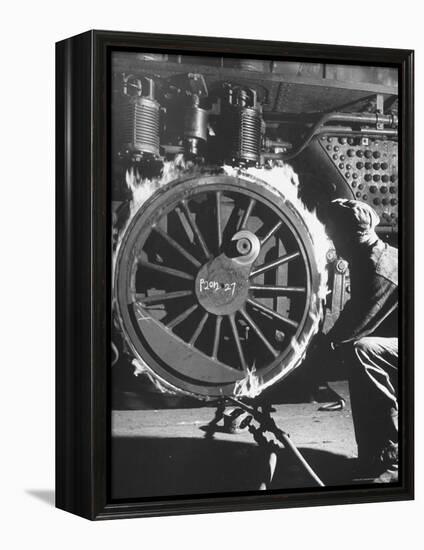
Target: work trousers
373 382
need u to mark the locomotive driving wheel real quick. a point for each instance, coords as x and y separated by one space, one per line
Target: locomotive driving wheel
216 278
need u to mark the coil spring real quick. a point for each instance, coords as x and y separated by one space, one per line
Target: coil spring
140 127
245 134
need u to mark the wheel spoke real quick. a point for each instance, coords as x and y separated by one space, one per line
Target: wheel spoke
237 341
167 270
247 213
217 336
184 223
278 289
182 317
274 264
218 218
195 229
163 297
258 331
199 329
271 233
273 313
177 246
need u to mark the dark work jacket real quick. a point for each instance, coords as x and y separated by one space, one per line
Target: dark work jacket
373 307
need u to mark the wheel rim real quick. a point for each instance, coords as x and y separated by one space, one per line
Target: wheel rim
215 277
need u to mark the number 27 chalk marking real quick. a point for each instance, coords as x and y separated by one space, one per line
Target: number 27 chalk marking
205 285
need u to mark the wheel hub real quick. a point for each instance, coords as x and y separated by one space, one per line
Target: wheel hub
222 286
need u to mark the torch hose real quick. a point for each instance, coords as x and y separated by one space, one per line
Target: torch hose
283 437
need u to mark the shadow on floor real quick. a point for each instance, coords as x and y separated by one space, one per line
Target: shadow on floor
45 495
147 466
139 393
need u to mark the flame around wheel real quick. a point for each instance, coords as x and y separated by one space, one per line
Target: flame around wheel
217 286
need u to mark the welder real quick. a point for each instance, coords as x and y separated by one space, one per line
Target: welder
365 336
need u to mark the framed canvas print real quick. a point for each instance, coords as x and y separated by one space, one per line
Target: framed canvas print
234 274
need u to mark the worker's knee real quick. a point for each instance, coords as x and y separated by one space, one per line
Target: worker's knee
373 351
359 352
365 345
357 347
375 346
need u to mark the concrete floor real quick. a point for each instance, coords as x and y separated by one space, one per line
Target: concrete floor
161 452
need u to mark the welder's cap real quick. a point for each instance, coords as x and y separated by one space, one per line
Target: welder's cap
355 217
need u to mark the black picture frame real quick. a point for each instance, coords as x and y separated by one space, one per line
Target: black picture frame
83 273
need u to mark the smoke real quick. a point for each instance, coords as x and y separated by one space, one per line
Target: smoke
285 183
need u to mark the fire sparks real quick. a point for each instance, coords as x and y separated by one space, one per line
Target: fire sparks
250 386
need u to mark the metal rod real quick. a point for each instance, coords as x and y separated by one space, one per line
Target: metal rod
278 289
218 218
177 246
237 341
182 317
195 229
217 336
274 264
358 118
184 224
247 213
258 331
163 297
199 329
365 118
271 233
347 131
167 270
273 313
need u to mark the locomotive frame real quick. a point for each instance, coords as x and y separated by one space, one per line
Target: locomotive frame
83 226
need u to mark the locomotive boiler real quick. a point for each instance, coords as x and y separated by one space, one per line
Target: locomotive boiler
222 272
